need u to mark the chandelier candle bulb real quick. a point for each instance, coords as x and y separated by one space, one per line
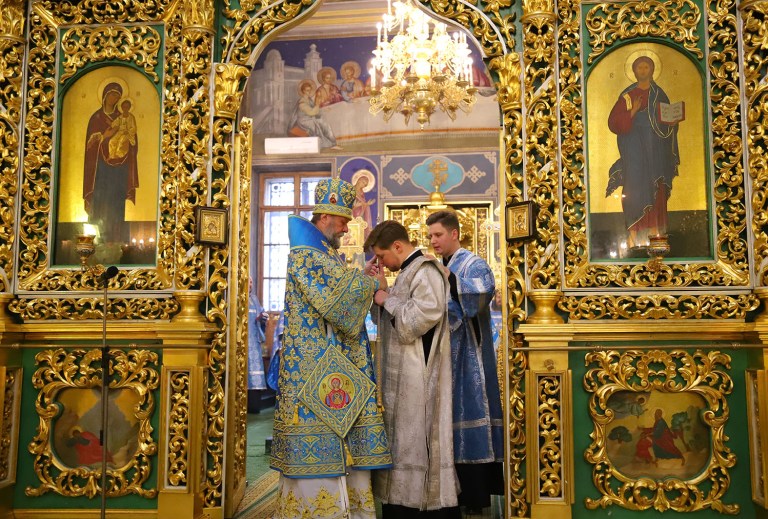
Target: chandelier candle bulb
423 67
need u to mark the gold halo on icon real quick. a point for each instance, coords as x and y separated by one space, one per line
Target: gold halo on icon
636 54
113 79
367 174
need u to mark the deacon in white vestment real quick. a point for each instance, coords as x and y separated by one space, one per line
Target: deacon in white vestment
414 371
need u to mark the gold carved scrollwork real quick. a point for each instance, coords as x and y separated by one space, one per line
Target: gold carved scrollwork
240 361
102 11
83 45
34 272
538 12
754 24
12 19
610 22
191 175
549 392
91 308
731 251
541 165
517 365
509 87
198 14
227 91
659 306
11 404
218 311
675 372
133 370
177 469
508 68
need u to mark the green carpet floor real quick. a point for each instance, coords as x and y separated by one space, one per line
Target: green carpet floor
259 429
258 505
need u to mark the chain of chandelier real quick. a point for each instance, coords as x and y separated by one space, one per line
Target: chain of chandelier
419 69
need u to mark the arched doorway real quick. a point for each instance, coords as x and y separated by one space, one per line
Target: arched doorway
248 42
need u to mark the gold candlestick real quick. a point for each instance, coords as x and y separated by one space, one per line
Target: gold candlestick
85 249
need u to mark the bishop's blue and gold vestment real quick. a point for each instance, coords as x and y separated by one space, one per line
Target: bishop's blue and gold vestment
321 293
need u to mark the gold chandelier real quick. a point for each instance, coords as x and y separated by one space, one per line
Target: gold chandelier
419 69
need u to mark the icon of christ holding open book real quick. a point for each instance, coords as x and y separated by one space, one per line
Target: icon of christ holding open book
645 123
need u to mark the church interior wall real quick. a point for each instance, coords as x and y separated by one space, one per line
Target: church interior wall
633 375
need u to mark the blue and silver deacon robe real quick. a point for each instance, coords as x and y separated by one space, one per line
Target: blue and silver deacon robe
321 291
477 420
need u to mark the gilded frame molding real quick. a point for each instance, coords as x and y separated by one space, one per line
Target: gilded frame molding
549 443
123 35
608 25
61 369
11 378
757 413
675 371
250 26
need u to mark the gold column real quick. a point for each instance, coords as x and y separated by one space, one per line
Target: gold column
237 361
10 380
760 409
753 30
181 475
549 429
12 43
541 144
754 34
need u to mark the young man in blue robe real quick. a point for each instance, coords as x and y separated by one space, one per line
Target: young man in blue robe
323 470
477 420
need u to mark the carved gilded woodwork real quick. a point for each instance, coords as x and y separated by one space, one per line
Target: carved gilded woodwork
675 372
517 361
194 115
238 361
56 25
608 25
508 68
754 27
140 308
11 378
218 313
69 12
228 92
12 18
758 436
547 422
661 306
198 15
59 370
178 452
677 20
85 45
541 144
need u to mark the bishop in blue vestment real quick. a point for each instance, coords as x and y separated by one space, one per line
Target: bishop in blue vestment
325 307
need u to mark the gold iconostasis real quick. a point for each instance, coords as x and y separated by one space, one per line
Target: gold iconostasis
632 351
